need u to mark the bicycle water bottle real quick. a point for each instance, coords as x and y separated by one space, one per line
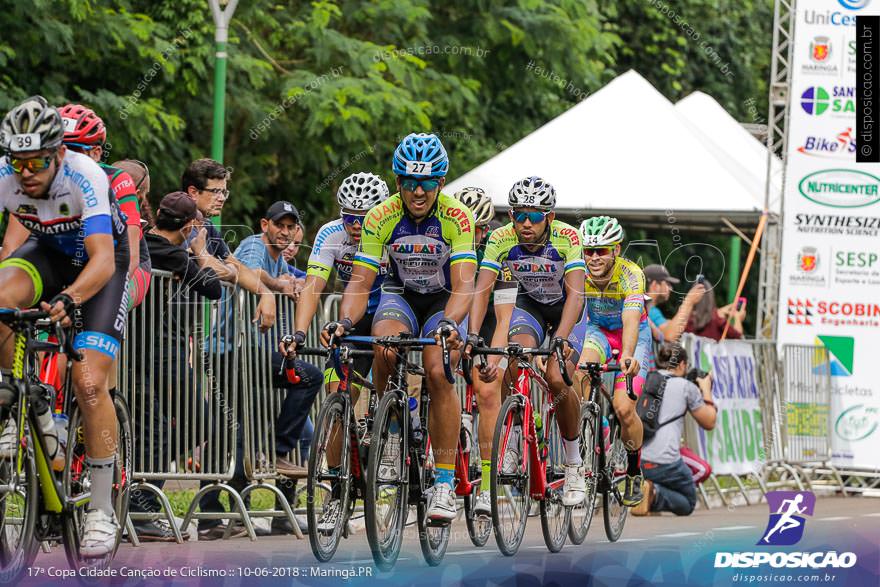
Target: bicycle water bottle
416 421
467 421
606 434
45 421
539 432
61 423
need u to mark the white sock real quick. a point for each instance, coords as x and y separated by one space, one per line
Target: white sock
572 451
101 471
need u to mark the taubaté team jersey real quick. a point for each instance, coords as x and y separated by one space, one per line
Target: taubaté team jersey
79 204
540 273
125 192
334 249
624 293
419 253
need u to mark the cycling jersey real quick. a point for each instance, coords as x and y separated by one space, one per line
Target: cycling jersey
123 188
625 292
334 249
77 206
419 253
540 273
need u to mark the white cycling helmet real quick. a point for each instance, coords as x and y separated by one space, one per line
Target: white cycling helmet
532 192
601 231
479 202
31 126
361 191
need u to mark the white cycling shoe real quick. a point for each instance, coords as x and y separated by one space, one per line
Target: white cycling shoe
441 503
574 490
99 535
9 439
389 462
330 517
483 507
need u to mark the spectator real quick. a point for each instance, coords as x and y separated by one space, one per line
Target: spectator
669 483
659 290
140 174
292 251
708 320
177 216
262 254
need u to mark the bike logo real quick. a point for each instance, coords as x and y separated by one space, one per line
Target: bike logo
786 524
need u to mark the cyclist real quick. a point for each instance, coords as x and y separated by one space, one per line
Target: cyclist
429 239
615 318
335 247
76 257
487 386
543 255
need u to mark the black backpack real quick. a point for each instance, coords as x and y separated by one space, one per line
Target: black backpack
648 406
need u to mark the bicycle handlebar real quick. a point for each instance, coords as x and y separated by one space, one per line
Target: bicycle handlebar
613 367
11 316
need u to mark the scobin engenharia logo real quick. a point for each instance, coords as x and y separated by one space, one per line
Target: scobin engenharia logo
785 528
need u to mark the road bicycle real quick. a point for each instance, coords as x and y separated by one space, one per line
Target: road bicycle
337 460
604 456
400 464
40 505
468 461
528 461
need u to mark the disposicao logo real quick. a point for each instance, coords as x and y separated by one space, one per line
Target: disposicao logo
785 528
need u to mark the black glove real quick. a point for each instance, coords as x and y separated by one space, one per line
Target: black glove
474 340
66 300
445 325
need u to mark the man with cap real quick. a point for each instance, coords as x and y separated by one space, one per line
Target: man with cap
261 253
659 289
175 221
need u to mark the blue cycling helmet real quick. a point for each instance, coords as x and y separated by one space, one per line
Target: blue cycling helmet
420 154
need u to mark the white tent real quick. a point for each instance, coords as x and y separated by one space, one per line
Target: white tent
623 150
734 147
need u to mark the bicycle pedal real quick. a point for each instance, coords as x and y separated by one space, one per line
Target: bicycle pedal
437 523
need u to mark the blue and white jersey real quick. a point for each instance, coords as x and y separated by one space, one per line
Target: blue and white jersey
334 249
79 204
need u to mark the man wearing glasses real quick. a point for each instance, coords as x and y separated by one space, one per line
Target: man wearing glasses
429 239
615 319
76 257
544 258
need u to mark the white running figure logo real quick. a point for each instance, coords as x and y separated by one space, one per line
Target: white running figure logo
787 521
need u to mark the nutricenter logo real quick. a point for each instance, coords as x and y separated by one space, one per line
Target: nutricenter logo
785 528
840 188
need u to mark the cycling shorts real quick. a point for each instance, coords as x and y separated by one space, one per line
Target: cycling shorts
100 322
138 285
420 313
539 320
604 341
361 365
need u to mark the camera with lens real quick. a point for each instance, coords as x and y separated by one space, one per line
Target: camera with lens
695 374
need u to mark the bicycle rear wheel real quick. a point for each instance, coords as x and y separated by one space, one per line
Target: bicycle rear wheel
76 481
433 538
328 484
386 502
555 517
479 527
613 510
582 514
19 508
510 477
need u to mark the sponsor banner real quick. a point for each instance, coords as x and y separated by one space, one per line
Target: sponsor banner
736 443
830 261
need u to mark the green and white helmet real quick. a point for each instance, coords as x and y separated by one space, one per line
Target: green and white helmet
601 231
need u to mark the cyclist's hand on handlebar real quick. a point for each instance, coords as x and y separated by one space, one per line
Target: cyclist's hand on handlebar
488 372
473 340
447 329
336 329
629 366
60 309
289 343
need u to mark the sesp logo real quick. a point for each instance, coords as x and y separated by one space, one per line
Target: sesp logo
786 524
854 4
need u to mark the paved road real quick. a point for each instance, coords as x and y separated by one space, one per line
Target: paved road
671 549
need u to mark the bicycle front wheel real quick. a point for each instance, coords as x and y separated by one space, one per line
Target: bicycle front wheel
510 477
386 503
433 538
329 478
19 507
77 482
613 510
554 515
582 513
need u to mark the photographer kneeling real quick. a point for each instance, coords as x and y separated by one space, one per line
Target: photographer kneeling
669 484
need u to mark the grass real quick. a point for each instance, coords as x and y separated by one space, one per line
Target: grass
260 500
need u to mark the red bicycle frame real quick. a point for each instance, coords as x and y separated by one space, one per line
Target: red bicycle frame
466 485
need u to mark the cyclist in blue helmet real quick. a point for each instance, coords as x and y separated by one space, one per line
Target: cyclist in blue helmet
429 240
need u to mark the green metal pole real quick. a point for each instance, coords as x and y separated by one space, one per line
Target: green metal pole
219 101
734 268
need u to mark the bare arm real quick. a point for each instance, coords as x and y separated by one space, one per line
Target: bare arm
706 414
15 236
574 302
674 327
98 270
134 248
309 298
357 294
462 277
485 285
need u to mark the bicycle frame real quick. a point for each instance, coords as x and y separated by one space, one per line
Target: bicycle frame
462 459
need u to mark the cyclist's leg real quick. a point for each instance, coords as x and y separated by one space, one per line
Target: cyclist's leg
568 404
631 424
488 395
393 317
527 328
26 277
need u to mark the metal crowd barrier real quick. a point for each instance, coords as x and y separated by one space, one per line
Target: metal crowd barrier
183 396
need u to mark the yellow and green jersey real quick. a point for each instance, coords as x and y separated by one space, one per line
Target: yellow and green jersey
624 293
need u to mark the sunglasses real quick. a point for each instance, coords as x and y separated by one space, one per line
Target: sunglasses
34 165
80 147
597 251
218 191
533 217
352 219
410 184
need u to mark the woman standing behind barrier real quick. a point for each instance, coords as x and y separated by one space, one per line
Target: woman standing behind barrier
708 320
177 216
